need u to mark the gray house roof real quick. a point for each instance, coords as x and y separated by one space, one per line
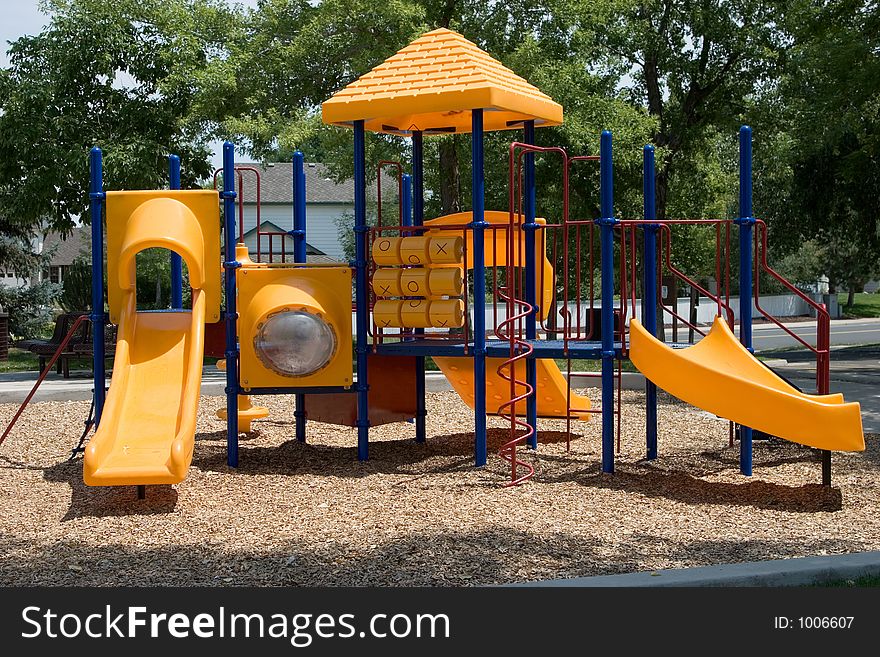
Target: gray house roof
276 184
77 244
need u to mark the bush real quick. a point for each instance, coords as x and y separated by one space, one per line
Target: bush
29 308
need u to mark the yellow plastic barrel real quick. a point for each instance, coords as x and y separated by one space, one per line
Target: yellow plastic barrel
447 313
414 251
445 282
386 283
386 250
414 282
445 250
414 313
386 314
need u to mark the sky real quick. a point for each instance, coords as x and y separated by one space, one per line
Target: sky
22 17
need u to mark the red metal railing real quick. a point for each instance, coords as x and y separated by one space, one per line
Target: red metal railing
240 202
822 350
49 365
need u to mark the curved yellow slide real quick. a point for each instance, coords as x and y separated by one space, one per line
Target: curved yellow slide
551 393
719 375
147 430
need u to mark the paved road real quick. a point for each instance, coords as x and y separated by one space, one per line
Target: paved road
843 332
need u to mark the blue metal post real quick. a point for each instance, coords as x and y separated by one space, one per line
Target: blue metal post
176 259
230 264
406 218
362 309
299 208
418 210
98 318
745 221
649 296
529 227
478 227
299 256
606 230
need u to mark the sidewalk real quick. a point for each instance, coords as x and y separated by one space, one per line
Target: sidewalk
807 571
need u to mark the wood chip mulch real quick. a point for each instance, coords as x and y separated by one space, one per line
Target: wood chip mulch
311 514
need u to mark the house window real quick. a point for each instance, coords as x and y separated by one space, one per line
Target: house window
55 274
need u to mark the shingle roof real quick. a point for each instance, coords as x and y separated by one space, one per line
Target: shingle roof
276 184
77 244
433 84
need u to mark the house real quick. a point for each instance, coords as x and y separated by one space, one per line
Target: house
277 246
64 251
327 203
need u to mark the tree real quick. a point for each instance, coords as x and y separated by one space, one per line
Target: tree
29 307
692 65
824 187
118 75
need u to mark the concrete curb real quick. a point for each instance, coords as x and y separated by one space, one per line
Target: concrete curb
804 571
80 389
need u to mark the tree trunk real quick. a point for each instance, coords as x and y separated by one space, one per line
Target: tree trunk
450 176
850 296
158 292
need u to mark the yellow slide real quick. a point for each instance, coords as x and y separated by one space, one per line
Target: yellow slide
719 375
551 391
147 430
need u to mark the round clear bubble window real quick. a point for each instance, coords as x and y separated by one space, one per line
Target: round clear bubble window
295 343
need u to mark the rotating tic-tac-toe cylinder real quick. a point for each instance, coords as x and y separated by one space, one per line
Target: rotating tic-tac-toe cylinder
418 250
417 282
419 313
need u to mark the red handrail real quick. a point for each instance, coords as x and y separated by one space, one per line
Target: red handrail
70 333
822 350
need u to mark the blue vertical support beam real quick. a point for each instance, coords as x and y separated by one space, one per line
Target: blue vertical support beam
406 218
230 264
529 227
478 227
98 318
418 218
176 259
362 309
649 295
745 221
299 256
606 224
299 208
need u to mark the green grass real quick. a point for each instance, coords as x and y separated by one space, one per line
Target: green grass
867 581
865 305
24 361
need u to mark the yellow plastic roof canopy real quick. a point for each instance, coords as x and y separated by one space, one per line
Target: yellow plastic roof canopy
432 85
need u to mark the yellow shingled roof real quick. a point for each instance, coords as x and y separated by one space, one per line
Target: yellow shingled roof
432 84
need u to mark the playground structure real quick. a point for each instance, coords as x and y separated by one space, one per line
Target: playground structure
419 290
